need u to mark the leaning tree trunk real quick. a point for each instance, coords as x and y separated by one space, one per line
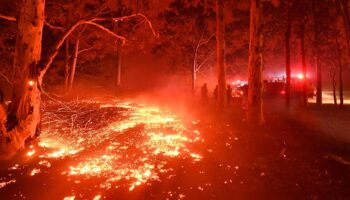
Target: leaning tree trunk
23 119
288 68
66 68
303 61
256 63
220 48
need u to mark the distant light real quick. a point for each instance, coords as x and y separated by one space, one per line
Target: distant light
31 83
283 92
300 76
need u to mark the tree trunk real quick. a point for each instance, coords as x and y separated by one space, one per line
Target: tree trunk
288 69
119 64
74 63
220 47
256 63
303 61
340 66
193 77
334 84
23 120
118 67
318 65
66 69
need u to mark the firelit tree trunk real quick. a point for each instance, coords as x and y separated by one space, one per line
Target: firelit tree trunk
256 64
343 6
317 57
193 77
23 119
334 86
303 61
340 66
74 63
288 69
220 48
66 68
118 66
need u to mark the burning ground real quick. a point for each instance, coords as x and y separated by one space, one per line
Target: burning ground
123 149
90 147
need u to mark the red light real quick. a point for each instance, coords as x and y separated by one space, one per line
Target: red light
283 92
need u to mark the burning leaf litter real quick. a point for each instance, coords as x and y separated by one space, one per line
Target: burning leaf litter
117 142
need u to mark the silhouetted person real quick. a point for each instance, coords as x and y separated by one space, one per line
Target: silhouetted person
215 94
204 92
229 94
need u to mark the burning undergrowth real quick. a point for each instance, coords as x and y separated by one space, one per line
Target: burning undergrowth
116 142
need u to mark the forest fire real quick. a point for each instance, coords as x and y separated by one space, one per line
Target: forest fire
174 99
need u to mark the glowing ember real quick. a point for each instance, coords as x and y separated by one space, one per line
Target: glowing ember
3 184
34 172
69 198
31 153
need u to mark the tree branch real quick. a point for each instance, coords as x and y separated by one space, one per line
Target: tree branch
84 50
54 27
9 18
46 63
123 39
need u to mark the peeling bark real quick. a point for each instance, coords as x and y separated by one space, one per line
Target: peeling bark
23 120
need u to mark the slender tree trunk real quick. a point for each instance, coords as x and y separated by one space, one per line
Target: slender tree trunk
66 69
303 61
288 68
334 84
193 78
118 67
340 66
23 120
343 5
256 63
117 72
318 65
220 47
119 64
74 63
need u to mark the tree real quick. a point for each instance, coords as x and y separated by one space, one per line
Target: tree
288 46
256 63
187 37
23 120
303 60
317 53
220 50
